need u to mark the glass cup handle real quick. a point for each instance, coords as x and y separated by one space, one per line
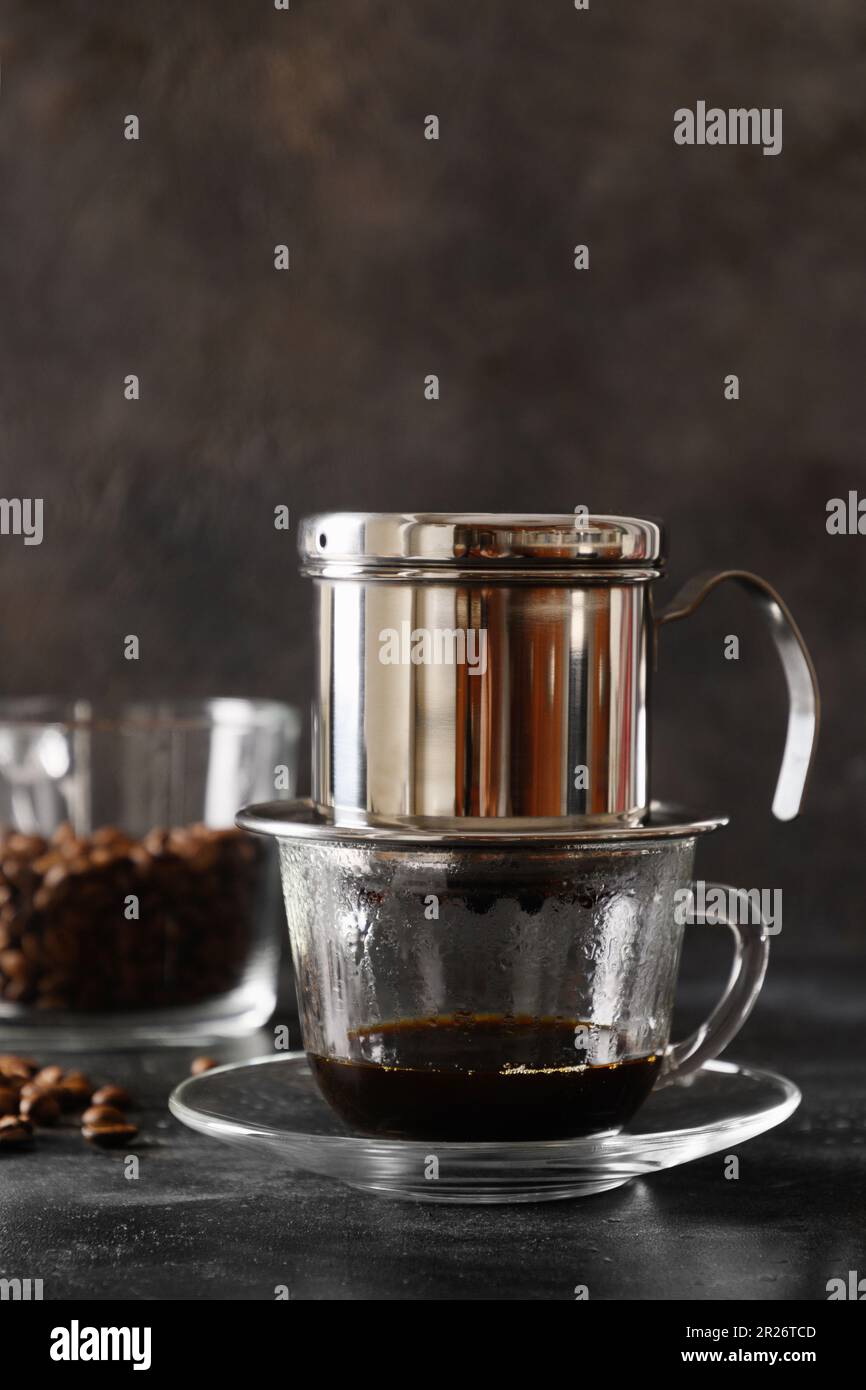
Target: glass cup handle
751 951
804 701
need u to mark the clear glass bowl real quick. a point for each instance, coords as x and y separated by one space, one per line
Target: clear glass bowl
131 908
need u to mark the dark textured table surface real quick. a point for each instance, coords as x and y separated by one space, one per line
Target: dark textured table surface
209 1221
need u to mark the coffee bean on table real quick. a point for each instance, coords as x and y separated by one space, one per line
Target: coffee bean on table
202 1064
96 1115
14 1066
31 1095
74 1090
48 1076
110 1136
41 1109
31 1089
15 1133
118 1096
8 1101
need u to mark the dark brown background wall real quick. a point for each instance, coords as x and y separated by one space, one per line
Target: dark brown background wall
411 257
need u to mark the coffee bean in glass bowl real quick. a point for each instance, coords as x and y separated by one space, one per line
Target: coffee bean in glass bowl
107 923
132 909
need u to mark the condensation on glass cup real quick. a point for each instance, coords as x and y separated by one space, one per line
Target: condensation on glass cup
483 989
131 906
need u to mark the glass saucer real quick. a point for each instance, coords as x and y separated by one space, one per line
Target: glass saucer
272 1104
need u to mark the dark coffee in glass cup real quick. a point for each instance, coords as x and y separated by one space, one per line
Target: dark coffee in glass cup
490 990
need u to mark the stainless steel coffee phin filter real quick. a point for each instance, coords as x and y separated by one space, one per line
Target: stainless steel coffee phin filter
495 670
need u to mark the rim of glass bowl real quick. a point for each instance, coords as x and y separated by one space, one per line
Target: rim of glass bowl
218 711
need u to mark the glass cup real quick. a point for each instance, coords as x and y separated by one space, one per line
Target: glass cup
504 992
131 908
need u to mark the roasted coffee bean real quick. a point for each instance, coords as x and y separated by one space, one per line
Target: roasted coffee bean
64 943
103 1115
28 846
41 1109
74 1090
30 1089
56 875
204 859
17 918
156 840
110 1136
202 1064
78 1081
19 874
46 862
117 1096
13 1065
14 964
106 835
15 1132
48 1076
37 1095
8 1101
18 991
